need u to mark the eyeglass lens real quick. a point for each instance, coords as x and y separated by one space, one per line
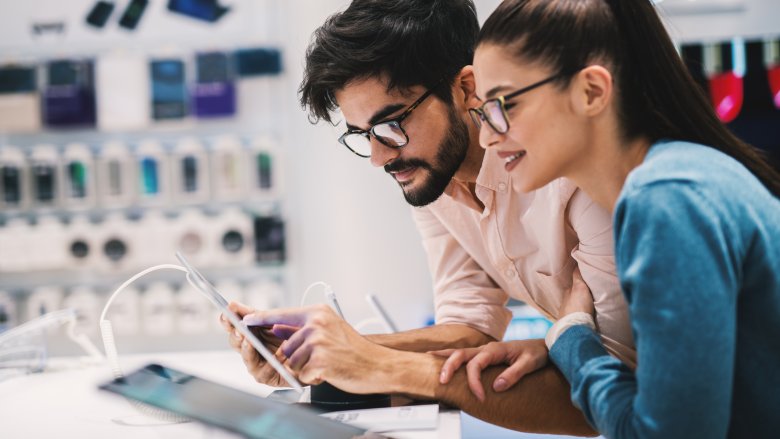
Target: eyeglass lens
389 134
495 115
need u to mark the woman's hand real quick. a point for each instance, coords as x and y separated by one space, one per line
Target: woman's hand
579 298
522 357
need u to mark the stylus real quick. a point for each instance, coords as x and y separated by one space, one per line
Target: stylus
331 296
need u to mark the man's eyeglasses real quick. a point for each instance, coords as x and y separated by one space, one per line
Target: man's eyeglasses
493 111
389 132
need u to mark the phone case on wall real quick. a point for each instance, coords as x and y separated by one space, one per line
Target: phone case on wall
169 91
69 97
123 92
190 171
20 102
214 93
44 176
14 193
78 177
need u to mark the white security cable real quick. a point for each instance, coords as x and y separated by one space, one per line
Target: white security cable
12 338
309 288
330 295
382 319
107 331
109 343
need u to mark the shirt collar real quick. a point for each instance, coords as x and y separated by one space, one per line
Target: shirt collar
492 178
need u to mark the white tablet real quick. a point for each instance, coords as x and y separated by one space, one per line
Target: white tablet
214 297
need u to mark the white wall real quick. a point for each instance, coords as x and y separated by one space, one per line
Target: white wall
350 224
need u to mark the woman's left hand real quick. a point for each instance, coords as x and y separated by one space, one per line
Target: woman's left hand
579 298
521 356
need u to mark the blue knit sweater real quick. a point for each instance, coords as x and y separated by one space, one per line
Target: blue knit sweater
697 245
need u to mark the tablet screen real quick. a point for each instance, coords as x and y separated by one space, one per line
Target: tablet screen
215 298
226 407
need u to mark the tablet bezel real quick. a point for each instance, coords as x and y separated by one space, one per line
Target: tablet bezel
201 284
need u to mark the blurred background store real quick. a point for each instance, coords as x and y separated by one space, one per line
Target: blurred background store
130 129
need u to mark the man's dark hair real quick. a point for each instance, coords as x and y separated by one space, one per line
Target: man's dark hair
411 42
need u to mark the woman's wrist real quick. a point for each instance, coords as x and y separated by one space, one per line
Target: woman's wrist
566 322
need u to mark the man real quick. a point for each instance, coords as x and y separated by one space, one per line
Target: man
399 72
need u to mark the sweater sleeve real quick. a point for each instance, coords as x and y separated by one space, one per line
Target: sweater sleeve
679 265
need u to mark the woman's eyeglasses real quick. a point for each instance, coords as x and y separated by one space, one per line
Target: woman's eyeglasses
493 111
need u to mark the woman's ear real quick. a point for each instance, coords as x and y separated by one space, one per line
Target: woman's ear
465 88
593 90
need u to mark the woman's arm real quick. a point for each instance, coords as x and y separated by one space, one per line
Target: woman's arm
679 270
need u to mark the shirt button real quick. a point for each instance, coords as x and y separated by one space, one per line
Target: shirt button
509 272
502 187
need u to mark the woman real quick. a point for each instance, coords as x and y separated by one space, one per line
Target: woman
594 91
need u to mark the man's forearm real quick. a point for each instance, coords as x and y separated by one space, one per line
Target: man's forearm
539 403
433 338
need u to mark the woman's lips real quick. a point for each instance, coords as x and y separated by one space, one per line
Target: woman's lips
511 158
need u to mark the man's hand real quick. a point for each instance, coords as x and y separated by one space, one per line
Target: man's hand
327 348
579 299
254 362
522 356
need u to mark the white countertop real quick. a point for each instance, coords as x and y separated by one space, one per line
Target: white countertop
65 402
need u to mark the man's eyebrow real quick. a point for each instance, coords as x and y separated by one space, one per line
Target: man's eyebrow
379 116
382 114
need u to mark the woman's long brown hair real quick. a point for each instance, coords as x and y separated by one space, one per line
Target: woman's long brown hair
657 96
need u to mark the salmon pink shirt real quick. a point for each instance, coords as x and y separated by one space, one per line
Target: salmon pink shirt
524 246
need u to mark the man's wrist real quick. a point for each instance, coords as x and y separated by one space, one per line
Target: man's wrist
411 373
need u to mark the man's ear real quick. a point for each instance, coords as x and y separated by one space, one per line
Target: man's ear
465 88
593 90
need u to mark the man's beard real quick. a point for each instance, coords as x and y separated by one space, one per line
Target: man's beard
450 155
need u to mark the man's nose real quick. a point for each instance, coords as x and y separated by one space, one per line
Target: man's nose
382 154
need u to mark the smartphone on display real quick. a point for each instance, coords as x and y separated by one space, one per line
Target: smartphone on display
211 293
133 13
169 93
216 404
98 15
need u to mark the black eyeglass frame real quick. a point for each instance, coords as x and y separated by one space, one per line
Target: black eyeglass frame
478 113
394 122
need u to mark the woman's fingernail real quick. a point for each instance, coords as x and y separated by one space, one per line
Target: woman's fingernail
499 385
442 376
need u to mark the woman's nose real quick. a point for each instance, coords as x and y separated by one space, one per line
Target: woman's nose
488 136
